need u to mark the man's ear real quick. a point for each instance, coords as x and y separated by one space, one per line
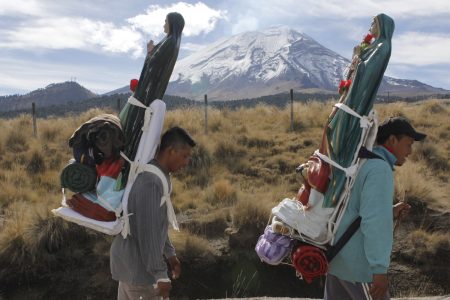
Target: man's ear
391 140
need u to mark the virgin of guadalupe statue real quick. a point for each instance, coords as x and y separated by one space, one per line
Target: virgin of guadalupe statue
153 81
343 131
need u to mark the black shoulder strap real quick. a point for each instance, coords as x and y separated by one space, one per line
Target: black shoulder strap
333 250
364 153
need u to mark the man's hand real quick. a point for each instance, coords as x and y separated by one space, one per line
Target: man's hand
379 287
175 266
164 289
401 209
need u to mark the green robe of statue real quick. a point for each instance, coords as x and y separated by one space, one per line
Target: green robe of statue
343 131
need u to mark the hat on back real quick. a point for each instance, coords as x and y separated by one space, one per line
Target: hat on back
397 126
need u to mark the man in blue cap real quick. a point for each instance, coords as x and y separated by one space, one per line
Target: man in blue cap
359 270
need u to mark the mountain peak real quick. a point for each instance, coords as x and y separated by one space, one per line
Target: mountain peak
255 60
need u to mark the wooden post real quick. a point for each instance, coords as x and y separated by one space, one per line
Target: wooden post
33 112
118 105
206 114
292 110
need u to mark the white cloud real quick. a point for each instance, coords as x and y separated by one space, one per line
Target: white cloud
191 47
353 8
21 7
56 32
199 18
421 49
246 23
75 33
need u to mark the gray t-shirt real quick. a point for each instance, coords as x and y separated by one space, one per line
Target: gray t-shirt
138 259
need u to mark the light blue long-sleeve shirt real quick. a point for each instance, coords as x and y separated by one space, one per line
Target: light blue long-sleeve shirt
369 249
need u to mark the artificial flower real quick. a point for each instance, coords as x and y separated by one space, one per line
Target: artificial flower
344 86
133 84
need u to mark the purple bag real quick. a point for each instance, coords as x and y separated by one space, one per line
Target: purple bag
273 247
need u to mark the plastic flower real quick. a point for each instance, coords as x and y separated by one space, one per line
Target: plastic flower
366 41
368 38
133 84
344 86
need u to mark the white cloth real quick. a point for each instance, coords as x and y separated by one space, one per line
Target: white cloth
146 151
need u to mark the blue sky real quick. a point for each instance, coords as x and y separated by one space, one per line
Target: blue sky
101 42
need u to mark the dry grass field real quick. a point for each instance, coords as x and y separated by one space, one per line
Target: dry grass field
239 171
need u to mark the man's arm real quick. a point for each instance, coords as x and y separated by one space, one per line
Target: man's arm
377 224
149 221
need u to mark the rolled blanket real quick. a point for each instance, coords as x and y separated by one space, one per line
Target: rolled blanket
78 177
89 209
309 261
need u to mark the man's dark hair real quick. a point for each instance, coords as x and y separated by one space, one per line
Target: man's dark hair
175 137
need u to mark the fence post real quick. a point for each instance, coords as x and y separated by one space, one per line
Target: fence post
206 114
33 112
292 109
118 105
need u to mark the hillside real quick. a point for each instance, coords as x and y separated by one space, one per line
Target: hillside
240 169
55 94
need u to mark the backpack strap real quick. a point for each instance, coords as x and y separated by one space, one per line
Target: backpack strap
333 250
167 189
365 153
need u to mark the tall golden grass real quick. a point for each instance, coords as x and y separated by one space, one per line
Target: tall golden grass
242 168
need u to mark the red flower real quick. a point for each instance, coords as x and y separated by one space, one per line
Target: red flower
133 84
368 38
344 86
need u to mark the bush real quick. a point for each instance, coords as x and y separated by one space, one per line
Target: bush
36 165
229 154
428 248
429 153
251 215
49 134
199 166
16 142
222 194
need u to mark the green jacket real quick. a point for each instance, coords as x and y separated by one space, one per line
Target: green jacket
369 249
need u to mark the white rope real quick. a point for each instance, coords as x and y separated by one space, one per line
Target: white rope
148 111
364 121
138 168
349 172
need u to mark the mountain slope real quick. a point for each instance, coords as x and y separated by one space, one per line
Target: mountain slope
53 94
258 63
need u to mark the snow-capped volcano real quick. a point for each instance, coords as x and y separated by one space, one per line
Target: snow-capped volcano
258 63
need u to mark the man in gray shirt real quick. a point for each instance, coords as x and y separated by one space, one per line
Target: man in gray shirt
137 262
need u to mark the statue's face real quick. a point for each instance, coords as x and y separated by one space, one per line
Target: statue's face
374 28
